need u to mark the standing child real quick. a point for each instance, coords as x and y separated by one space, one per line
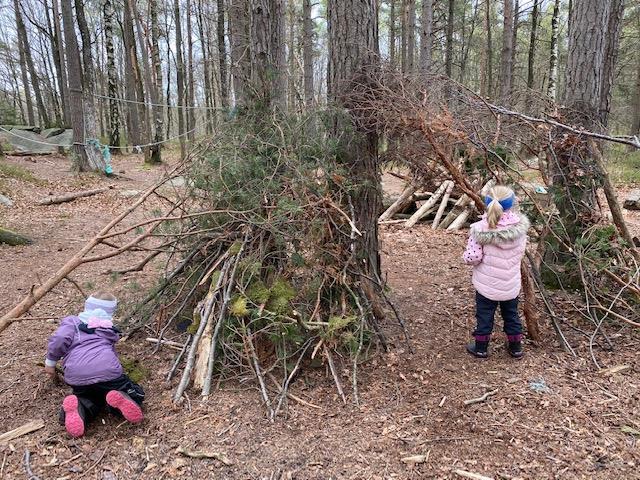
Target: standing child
86 346
495 249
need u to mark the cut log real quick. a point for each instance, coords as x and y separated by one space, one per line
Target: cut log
443 204
460 219
428 205
632 202
13 238
72 196
400 203
457 209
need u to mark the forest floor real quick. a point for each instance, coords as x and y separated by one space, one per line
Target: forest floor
550 416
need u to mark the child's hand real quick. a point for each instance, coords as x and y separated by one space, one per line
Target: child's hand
51 372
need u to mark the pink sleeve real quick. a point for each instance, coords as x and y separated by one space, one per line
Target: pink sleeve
473 254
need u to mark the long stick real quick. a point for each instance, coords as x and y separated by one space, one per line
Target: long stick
258 372
36 293
336 379
398 204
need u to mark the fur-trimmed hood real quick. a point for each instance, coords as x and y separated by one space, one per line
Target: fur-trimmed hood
511 227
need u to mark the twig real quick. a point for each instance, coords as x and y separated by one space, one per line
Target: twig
471 475
258 372
27 465
84 474
480 399
178 358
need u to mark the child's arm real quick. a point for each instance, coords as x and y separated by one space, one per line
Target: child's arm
60 342
474 253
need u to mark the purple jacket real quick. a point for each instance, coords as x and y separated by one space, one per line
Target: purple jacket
88 358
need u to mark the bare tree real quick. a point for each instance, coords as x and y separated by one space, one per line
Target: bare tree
411 34
239 26
180 78
614 28
392 32
449 39
112 77
222 53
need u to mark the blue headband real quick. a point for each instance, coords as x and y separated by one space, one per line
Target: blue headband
506 204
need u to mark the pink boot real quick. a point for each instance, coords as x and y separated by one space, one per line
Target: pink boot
121 401
73 421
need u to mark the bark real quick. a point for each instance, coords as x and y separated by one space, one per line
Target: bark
506 61
134 119
82 161
532 45
514 42
466 47
449 40
635 122
307 52
553 57
92 148
112 77
157 62
403 34
23 64
486 79
209 94
425 35
154 151
190 112
610 58
411 36
59 54
353 49
54 36
180 80
222 53
269 79
239 27
392 32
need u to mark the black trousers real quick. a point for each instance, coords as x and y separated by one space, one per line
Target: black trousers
93 398
485 312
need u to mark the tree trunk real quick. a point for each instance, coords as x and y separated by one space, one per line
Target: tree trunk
130 61
610 58
154 152
268 54
411 36
157 67
307 52
506 61
55 45
180 80
112 77
532 45
425 35
35 81
239 26
448 63
635 121
59 54
209 94
353 49
553 57
92 146
486 80
392 32
191 102
23 65
514 43
404 19
222 54
82 161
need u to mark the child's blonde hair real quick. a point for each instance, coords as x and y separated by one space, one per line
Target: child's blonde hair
494 208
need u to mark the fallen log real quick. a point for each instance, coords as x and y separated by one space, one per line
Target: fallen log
400 203
632 202
460 219
72 196
443 205
428 205
12 238
457 209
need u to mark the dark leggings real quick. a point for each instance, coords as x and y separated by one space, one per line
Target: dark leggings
92 398
485 312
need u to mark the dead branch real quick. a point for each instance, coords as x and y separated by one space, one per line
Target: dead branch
481 398
68 197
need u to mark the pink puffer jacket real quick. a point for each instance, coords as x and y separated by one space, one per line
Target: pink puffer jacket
496 255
